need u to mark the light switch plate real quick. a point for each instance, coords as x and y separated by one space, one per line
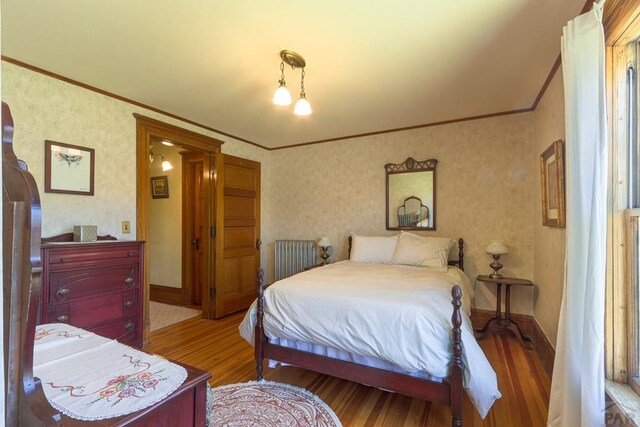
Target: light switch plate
126 227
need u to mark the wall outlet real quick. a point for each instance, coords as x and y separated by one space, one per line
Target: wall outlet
126 227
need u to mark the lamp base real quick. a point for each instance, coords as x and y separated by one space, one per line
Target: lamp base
325 256
496 265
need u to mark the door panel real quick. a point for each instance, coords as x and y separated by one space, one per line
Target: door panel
239 207
197 248
240 238
198 234
239 177
238 228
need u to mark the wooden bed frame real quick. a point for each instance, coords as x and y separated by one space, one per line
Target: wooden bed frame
449 392
26 404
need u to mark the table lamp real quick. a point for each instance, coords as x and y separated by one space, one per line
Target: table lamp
495 249
325 244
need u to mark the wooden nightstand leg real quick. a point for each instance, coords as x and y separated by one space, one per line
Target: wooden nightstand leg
498 317
488 327
524 341
499 301
507 304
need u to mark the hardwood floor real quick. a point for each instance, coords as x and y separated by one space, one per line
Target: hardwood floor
216 346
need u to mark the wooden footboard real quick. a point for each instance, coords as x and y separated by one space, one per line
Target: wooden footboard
448 392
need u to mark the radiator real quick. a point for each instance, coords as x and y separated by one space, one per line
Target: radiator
292 256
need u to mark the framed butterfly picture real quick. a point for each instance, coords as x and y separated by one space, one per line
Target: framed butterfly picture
68 169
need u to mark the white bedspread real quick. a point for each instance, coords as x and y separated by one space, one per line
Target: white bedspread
396 313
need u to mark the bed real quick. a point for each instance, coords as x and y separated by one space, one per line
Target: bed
360 321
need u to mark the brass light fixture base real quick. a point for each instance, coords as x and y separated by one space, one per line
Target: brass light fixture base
292 58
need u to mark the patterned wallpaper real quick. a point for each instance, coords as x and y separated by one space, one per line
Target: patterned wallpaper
486 186
47 108
548 257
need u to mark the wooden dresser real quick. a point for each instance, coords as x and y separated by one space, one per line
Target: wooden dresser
95 286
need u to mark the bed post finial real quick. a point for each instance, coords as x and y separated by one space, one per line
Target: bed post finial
259 331
350 243
456 361
461 254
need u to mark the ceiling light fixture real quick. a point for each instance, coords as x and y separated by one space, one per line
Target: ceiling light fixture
282 96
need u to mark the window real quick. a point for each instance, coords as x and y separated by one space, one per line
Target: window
632 218
623 277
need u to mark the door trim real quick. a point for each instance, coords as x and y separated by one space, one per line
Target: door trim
146 128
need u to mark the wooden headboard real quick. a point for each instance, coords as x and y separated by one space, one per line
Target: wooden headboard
25 402
454 262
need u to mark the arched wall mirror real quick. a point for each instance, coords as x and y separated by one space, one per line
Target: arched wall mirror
411 195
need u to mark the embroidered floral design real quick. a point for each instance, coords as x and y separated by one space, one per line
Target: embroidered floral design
120 387
42 333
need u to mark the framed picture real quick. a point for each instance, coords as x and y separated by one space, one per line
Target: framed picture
160 187
552 172
68 169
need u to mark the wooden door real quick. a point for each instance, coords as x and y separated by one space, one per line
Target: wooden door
193 227
238 233
197 246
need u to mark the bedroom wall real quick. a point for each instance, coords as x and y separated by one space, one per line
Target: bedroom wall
549 242
47 108
165 222
485 180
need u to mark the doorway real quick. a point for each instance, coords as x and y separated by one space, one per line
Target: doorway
148 129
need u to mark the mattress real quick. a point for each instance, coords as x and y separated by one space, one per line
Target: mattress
396 315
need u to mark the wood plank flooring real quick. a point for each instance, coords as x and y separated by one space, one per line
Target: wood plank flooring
217 347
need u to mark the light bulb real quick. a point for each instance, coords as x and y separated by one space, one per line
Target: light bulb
282 96
302 108
166 165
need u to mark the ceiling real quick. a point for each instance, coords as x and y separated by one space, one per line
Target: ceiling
371 65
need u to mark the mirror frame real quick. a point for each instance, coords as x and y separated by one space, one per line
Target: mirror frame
409 166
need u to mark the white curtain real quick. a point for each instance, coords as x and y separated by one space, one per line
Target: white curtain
577 389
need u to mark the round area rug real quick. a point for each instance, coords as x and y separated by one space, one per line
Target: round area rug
269 404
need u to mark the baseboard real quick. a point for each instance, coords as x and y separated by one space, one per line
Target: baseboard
543 347
167 295
529 327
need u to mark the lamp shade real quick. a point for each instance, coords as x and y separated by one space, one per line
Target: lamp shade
166 165
282 96
302 108
324 242
497 247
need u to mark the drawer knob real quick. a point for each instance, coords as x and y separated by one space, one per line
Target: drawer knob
63 319
62 293
129 281
129 326
128 304
64 259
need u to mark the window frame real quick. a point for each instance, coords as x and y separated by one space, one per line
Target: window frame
622 322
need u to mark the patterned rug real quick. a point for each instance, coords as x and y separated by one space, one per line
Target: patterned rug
163 315
269 404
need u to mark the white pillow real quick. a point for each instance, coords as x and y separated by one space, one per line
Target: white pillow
422 251
373 249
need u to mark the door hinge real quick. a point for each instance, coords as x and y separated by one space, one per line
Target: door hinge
212 292
212 231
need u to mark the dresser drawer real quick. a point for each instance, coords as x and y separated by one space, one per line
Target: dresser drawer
89 254
97 286
71 285
88 312
127 331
